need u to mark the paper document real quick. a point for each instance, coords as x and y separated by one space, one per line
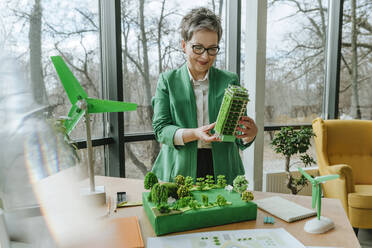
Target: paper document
248 238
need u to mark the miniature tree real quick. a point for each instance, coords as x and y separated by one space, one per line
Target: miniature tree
247 196
209 181
159 194
150 180
289 142
172 189
163 208
205 200
183 191
240 184
220 200
189 182
221 181
180 180
200 183
194 204
232 109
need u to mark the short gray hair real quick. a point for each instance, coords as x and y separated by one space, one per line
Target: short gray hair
200 19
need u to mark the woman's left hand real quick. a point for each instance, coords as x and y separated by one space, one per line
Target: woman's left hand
248 129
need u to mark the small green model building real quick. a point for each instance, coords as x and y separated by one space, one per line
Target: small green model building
232 109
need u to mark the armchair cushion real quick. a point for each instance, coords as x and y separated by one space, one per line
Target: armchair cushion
362 198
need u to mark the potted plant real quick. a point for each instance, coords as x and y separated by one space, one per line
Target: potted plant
289 142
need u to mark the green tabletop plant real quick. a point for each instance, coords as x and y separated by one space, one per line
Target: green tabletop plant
289 142
159 194
205 200
221 181
240 184
181 190
209 181
247 196
200 183
180 180
189 182
221 201
150 180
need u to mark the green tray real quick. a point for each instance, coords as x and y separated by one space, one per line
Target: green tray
203 217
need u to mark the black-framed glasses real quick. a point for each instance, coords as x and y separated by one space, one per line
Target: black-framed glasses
199 50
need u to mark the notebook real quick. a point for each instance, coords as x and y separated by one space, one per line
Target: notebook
284 209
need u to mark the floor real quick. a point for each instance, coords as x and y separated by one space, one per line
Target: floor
365 238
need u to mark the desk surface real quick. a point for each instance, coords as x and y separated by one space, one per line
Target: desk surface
341 236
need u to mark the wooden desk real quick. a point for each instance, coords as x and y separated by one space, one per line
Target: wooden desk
341 236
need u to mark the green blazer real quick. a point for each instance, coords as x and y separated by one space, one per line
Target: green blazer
174 107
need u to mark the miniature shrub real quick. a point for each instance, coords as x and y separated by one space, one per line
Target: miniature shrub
221 181
183 191
172 190
247 196
150 180
204 200
189 182
200 183
221 201
159 194
209 181
240 184
180 180
194 204
163 208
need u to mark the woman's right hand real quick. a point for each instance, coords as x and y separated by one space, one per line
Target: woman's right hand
200 133
203 133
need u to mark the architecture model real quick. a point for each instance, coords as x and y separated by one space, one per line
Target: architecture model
232 109
182 205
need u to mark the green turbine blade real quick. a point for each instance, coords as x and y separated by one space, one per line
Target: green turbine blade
326 178
74 115
308 177
103 106
71 85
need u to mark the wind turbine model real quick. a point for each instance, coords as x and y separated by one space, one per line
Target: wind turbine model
320 224
82 105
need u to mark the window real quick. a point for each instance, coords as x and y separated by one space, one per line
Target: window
356 61
296 39
32 31
151 44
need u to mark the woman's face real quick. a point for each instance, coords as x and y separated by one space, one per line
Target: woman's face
200 64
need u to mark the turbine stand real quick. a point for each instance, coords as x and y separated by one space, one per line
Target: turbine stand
317 226
94 194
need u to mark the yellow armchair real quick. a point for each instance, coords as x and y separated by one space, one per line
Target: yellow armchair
344 147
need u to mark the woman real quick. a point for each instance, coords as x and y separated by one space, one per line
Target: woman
188 99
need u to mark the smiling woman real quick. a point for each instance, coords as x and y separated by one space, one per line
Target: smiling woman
186 105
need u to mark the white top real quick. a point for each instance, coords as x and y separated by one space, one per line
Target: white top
201 97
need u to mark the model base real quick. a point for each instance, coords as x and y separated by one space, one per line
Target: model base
319 226
98 197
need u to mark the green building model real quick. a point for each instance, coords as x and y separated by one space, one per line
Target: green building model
232 109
